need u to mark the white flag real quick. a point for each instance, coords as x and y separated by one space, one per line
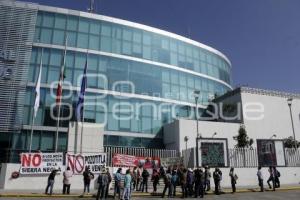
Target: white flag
37 89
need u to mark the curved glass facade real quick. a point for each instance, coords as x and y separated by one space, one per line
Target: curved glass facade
153 74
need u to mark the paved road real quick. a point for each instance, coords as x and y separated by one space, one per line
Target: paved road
278 195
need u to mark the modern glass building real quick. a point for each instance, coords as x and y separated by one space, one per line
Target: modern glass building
150 73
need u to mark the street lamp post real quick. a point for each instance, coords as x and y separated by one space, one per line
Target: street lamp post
186 139
197 94
289 101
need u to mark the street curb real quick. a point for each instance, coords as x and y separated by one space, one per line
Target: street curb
134 194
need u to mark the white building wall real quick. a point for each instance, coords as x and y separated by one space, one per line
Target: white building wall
276 117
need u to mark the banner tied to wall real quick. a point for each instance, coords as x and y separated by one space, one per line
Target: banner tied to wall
41 163
78 162
135 161
171 161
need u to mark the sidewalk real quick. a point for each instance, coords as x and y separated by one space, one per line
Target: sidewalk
77 193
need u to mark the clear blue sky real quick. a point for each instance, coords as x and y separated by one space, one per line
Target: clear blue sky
260 37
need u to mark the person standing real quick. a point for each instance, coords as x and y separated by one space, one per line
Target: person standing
271 178
145 176
207 179
277 175
174 182
102 185
155 178
50 183
190 182
260 179
233 179
134 178
66 181
109 181
87 177
167 180
183 181
118 179
217 179
139 179
127 185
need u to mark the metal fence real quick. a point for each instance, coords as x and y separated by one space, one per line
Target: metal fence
292 157
242 157
138 151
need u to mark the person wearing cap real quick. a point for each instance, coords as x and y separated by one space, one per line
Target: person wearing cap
103 181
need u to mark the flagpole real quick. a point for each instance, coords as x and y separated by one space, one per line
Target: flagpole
33 110
59 106
81 136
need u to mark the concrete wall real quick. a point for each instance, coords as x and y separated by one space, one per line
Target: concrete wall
92 137
247 178
36 182
276 117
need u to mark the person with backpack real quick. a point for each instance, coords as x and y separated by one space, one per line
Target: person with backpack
87 177
155 178
145 176
167 180
183 181
217 179
102 185
233 179
260 179
277 175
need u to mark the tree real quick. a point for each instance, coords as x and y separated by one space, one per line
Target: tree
290 142
243 141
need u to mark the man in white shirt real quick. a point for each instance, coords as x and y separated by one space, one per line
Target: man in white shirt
260 179
66 181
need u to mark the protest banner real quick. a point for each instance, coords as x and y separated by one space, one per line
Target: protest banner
41 163
135 161
78 162
171 161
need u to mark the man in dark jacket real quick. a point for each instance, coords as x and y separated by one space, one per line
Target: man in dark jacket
87 177
217 178
103 183
145 176
50 183
190 182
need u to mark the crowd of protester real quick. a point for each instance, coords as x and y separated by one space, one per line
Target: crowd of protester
192 182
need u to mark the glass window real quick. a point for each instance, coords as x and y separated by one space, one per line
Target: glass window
58 37
146 124
60 21
173 46
165 44
127 35
35 140
106 29
72 37
182 80
137 49
56 57
166 90
70 59
181 48
37 34
72 23
62 142
137 37
147 52
146 39
135 124
48 20
165 76
191 82
77 77
183 94
95 27
113 124
39 19
82 41
92 62
174 77
173 58
53 74
124 124
116 46
46 35
94 42
80 60
47 141
83 25
175 91
127 48
106 44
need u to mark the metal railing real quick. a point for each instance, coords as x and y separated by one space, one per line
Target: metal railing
242 157
292 157
138 151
